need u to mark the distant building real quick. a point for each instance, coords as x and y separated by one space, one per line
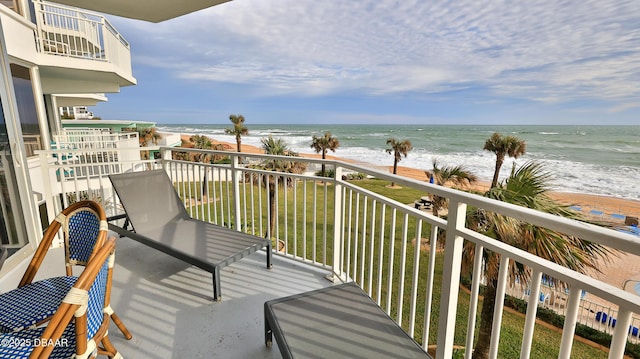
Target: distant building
76 112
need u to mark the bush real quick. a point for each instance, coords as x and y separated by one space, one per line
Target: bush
354 176
557 320
329 173
223 161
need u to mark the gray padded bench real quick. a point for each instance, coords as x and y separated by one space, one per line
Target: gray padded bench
340 321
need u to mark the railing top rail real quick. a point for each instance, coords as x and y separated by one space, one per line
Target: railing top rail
251 155
89 150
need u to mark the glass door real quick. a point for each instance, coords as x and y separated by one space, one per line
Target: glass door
12 229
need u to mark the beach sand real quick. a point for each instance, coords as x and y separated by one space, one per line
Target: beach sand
620 269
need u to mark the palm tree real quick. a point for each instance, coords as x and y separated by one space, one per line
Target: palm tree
324 143
146 137
399 149
503 146
528 187
276 147
238 130
456 175
203 143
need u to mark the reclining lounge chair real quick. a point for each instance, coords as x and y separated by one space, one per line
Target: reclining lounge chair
159 220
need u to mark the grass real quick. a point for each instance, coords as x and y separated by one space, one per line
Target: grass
314 229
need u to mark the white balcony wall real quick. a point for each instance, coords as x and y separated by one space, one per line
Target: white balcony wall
169 139
19 35
116 47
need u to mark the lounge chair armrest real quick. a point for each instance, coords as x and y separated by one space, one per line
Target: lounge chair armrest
116 217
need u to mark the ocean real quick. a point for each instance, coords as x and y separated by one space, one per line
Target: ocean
602 160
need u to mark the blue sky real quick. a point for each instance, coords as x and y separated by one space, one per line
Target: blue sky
381 61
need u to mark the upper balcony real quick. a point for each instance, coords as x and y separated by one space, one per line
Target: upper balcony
344 230
76 51
147 10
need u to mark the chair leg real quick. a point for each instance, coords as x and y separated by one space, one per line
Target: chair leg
268 333
108 349
269 265
217 295
116 320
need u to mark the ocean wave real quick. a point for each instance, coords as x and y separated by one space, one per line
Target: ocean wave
578 165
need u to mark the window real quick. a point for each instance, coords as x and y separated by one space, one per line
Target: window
26 109
11 4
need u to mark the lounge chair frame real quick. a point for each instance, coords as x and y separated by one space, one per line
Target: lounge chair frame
160 221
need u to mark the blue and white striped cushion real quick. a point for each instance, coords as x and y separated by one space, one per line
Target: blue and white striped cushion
20 344
28 305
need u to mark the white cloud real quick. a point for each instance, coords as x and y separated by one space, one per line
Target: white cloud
541 50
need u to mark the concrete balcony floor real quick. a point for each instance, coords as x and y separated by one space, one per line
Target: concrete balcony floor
167 304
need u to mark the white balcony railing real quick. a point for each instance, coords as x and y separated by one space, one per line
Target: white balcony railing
76 138
72 32
357 234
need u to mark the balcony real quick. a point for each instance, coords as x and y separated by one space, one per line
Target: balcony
72 39
325 228
76 51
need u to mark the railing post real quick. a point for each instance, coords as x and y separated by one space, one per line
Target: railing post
236 174
40 108
337 226
433 243
52 211
499 305
619 339
39 14
473 301
165 157
106 40
569 328
450 280
532 309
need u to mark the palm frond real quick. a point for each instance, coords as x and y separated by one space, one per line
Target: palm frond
529 187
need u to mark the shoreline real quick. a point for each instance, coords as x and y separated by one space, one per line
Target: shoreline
588 202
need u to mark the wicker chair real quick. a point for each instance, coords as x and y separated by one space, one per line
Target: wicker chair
84 230
79 327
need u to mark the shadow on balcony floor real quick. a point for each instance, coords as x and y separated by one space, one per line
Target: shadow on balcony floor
167 305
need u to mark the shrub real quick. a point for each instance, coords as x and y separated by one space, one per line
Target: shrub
557 320
354 176
329 173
